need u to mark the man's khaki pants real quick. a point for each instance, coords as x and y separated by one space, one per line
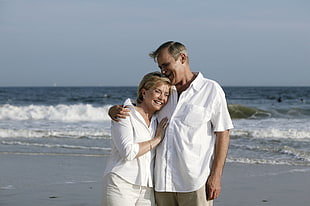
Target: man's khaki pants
196 198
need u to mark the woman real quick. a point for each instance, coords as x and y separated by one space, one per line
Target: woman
128 176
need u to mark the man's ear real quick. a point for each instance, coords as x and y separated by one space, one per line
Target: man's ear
183 58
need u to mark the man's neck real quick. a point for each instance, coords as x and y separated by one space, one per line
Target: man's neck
183 85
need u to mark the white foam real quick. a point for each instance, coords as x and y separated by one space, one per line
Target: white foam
273 133
265 161
61 112
65 146
273 128
8 187
74 182
73 134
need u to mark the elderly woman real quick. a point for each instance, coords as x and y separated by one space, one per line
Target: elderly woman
128 178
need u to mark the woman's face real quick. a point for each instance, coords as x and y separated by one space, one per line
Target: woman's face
156 97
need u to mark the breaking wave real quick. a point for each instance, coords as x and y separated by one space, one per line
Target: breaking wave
61 112
88 112
238 111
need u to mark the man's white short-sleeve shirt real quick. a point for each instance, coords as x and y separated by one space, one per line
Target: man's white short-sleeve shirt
184 158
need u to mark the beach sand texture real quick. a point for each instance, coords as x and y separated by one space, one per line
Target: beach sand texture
74 180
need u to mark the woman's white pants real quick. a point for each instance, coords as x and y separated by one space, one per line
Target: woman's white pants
118 192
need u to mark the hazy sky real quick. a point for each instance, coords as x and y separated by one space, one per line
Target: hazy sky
106 42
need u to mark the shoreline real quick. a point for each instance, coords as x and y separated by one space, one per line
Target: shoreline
73 179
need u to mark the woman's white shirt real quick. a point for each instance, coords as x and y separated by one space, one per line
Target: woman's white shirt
126 134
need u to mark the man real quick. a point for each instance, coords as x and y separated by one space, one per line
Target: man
190 160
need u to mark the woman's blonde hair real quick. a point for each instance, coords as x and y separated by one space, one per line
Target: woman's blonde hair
149 81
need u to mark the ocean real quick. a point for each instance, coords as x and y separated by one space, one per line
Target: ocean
272 124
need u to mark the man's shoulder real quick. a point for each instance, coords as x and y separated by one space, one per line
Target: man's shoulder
208 83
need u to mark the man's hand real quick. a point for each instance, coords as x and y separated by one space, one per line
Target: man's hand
117 111
213 187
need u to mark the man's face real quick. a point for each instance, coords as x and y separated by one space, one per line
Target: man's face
169 66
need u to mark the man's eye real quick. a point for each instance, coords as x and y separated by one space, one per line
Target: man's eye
164 66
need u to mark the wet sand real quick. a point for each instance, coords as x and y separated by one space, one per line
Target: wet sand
75 180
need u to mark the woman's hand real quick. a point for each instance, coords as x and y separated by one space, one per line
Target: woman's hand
147 146
161 129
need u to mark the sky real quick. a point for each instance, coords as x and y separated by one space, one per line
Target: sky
107 42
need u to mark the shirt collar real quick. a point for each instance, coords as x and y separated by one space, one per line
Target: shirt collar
129 103
198 82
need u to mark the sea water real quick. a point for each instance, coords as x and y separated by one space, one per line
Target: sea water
272 124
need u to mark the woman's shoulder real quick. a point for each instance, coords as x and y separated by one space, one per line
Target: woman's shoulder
128 102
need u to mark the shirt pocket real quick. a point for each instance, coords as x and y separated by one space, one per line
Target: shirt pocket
195 115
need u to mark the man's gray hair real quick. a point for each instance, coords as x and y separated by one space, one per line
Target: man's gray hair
174 48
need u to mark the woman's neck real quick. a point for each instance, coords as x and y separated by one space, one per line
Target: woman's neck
145 113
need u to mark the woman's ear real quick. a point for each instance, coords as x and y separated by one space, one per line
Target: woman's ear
143 92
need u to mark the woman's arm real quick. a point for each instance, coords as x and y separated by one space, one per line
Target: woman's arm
123 139
147 146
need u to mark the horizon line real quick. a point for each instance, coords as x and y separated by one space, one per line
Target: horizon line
60 86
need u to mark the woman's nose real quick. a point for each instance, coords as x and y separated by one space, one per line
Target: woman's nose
161 96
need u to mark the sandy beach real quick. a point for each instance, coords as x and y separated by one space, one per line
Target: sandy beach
33 179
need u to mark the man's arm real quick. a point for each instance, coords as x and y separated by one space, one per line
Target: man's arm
213 185
118 111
